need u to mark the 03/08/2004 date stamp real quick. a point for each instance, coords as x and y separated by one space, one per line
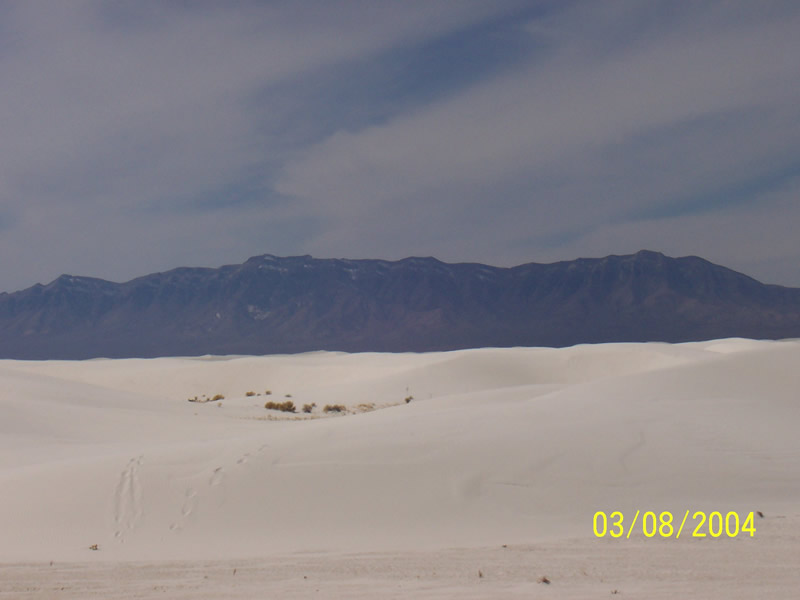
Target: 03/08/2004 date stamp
651 524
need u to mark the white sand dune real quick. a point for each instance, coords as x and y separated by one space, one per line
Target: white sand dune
499 447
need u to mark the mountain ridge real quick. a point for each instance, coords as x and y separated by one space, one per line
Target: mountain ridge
270 304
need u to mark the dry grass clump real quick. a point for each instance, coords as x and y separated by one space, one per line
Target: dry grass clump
334 408
366 407
250 394
287 406
204 399
307 408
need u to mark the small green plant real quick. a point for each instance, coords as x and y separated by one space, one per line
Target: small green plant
287 406
307 408
334 408
250 394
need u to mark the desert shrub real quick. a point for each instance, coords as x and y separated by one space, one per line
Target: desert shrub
287 406
333 408
250 394
268 393
409 399
288 396
218 397
307 408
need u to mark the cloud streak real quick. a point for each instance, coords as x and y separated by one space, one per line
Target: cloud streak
580 139
141 136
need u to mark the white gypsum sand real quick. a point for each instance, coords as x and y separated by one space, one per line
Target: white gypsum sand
485 482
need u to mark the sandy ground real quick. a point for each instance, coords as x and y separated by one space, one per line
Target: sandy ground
480 486
576 568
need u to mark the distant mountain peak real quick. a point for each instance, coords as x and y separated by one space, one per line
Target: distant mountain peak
275 304
649 254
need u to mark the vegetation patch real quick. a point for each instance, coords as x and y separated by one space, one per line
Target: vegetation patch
203 399
287 406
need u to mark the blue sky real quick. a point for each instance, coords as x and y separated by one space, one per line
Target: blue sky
138 136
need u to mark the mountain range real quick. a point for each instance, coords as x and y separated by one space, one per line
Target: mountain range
271 304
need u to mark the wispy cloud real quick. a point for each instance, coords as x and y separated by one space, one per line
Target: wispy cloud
139 136
602 130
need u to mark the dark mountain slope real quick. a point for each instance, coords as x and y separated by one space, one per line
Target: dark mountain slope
270 304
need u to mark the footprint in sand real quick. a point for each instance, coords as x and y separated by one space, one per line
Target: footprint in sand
186 510
128 498
188 505
216 477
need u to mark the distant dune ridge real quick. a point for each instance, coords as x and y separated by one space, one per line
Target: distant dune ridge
285 305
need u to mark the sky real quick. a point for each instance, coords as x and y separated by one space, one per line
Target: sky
138 136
